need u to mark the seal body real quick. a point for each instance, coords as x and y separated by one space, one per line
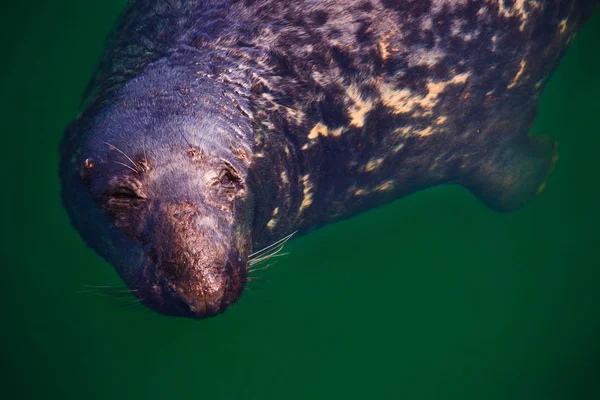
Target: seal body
211 129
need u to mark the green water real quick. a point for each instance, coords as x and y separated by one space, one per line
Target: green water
432 297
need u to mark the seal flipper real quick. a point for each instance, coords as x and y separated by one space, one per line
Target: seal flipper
511 177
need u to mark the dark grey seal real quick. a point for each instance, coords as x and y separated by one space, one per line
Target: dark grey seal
212 130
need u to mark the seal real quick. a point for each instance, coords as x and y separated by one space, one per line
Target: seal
213 130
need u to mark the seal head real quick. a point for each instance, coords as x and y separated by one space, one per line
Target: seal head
172 204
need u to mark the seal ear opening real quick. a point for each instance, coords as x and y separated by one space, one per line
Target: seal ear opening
512 176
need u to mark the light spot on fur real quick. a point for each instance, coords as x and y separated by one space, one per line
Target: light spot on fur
562 26
274 219
318 77
308 196
268 97
399 100
426 23
385 186
518 75
397 148
405 130
456 25
295 115
518 9
359 107
438 5
404 101
337 131
425 132
284 177
317 130
539 84
441 120
373 164
540 188
384 45
360 192
435 165
428 58
321 129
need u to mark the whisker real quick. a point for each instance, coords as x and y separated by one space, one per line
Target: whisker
113 147
109 287
144 147
281 241
261 268
131 303
270 247
185 139
253 288
254 262
105 294
126 166
274 250
265 257
107 290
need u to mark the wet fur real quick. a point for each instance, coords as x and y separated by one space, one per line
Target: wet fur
329 108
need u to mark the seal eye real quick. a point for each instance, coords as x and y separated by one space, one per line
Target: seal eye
227 178
122 197
123 192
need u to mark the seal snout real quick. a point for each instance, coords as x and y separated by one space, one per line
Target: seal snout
197 268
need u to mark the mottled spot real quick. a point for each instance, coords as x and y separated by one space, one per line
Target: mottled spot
405 130
541 188
318 77
383 45
284 177
397 148
373 164
359 107
294 115
441 120
321 129
562 26
520 72
360 192
425 57
404 101
425 132
519 9
438 5
274 219
385 186
307 191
